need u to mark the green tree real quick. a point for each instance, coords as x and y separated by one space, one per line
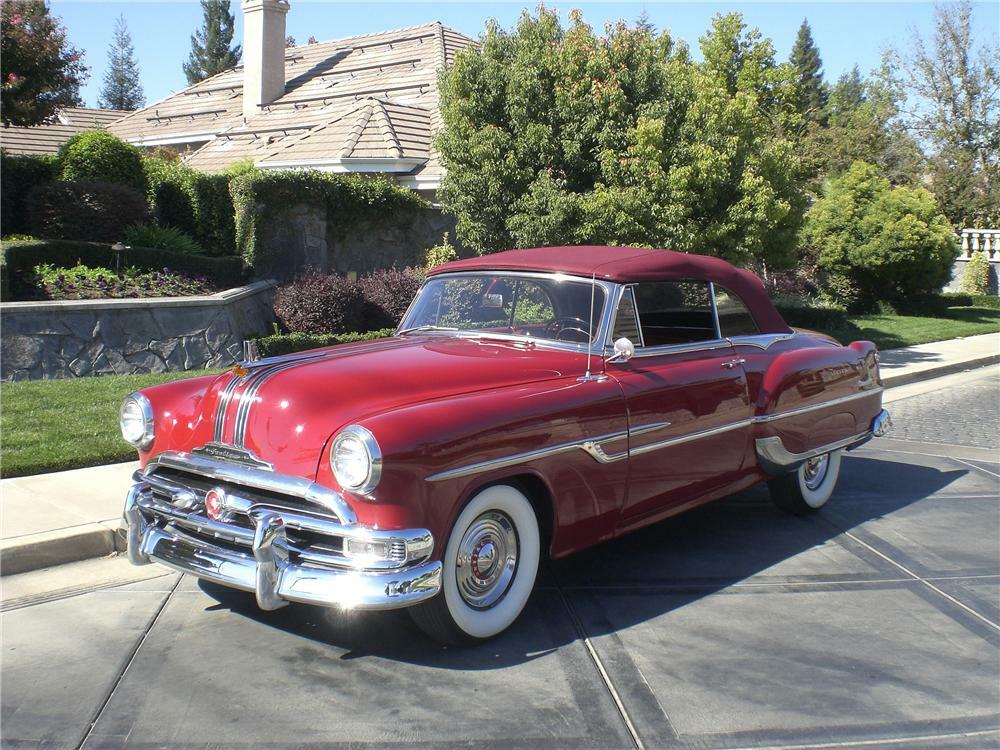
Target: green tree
889 243
40 72
808 66
122 89
557 135
859 126
210 50
950 90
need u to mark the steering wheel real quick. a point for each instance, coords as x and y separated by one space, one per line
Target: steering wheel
556 328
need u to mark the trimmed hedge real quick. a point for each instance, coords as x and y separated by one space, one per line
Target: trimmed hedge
19 175
196 203
92 211
348 199
288 343
98 156
17 259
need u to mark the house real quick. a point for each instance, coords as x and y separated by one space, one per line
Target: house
364 104
47 138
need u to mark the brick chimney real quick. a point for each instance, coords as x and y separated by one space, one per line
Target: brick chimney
263 53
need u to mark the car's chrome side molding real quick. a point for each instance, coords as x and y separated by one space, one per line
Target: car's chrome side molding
764 418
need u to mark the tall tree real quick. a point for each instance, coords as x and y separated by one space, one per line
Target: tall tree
808 67
950 91
121 89
210 50
562 135
40 72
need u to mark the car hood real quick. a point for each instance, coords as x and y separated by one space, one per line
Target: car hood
286 409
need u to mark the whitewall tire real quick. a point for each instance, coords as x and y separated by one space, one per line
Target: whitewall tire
489 568
807 489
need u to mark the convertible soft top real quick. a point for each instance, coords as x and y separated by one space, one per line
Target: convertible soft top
631 264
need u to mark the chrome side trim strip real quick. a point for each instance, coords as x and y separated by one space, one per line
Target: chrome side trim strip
264 480
592 446
764 418
700 434
761 340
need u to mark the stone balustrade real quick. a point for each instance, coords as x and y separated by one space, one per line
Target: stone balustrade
975 240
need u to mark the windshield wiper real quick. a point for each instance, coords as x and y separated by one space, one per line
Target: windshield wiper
425 328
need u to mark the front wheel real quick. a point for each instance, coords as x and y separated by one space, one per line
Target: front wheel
807 489
489 569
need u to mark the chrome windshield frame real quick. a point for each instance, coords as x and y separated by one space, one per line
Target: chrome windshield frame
611 294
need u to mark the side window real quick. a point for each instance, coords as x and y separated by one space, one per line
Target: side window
674 312
734 318
626 322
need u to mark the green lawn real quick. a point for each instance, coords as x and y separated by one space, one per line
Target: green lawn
891 331
48 425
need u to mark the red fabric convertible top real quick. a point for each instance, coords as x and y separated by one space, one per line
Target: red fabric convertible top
630 264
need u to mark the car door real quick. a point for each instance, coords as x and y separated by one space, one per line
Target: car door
686 395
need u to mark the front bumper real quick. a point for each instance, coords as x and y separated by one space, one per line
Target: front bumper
259 558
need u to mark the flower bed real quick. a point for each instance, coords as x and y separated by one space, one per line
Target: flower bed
82 282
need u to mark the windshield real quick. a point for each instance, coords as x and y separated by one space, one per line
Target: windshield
543 307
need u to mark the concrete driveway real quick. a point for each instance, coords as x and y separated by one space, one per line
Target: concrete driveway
871 624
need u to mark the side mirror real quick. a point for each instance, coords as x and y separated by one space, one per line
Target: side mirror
624 351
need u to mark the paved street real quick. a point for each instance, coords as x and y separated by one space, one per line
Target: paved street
871 624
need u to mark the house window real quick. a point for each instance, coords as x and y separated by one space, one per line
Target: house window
674 312
734 317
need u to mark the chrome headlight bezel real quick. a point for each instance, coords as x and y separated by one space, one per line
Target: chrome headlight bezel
146 414
372 452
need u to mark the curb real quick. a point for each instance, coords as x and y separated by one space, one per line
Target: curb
892 381
45 550
50 548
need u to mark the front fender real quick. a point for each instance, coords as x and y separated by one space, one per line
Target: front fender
436 437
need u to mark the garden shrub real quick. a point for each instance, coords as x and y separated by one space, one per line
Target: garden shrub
443 253
319 303
803 312
287 343
161 238
976 279
171 194
20 258
98 156
890 243
83 282
18 176
196 203
387 293
96 211
348 199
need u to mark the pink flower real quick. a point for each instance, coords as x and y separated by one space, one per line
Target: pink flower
12 78
15 19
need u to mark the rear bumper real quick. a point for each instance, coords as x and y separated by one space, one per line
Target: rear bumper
265 568
774 458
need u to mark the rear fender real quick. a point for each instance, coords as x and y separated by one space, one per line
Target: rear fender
818 396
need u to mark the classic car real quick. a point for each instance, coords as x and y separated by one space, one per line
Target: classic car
532 402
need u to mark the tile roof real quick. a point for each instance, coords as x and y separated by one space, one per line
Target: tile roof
47 138
364 98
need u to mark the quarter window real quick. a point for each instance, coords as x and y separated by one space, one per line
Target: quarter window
674 312
734 317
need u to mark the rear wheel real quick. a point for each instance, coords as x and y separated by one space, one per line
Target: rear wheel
807 489
490 564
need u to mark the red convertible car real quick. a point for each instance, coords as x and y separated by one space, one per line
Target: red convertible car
531 402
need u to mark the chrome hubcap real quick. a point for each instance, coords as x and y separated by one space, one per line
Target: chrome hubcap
487 559
814 470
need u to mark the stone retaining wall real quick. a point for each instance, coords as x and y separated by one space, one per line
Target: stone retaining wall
958 271
42 340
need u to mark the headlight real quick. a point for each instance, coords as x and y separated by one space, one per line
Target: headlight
136 420
356 459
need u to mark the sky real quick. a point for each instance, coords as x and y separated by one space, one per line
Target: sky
847 34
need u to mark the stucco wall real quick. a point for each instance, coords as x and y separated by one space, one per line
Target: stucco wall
102 337
958 270
301 237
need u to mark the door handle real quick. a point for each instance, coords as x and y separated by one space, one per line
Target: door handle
733 363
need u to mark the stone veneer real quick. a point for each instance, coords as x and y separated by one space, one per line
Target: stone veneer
116 336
